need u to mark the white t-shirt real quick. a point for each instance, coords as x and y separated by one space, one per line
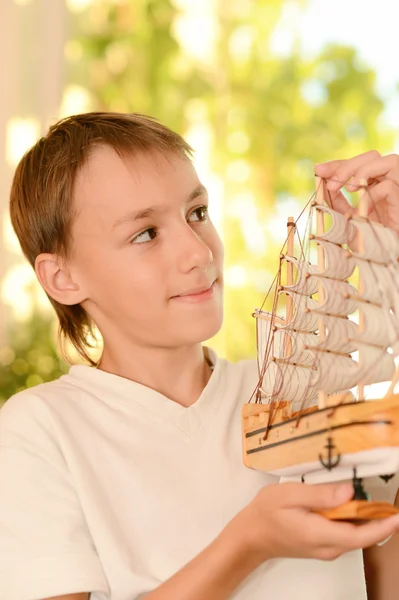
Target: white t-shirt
108 486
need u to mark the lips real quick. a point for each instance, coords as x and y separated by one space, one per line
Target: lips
196 291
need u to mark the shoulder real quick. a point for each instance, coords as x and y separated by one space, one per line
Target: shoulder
35 399
243 375
43 530
246 368
27 418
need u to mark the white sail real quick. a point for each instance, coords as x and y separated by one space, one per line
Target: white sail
341 230
299 343
295 363
393 269
339 334
381 243
375 366
335 300
277 346
303 319
302 285
380 327
283 381
265 342
338 264
394 315
379 282
334 373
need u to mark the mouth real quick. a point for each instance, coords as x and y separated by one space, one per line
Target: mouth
199 293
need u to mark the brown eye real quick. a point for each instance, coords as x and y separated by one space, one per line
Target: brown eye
199 214
145 236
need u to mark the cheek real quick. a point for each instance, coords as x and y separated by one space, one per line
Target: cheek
215 243
128 275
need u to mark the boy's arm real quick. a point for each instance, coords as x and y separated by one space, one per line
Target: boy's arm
213 574
381 564
279 522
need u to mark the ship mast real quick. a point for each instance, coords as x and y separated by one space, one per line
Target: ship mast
362 213
320 191
289 307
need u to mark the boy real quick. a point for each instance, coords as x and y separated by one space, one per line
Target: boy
124 479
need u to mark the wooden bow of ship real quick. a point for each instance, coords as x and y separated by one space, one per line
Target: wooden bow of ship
298 439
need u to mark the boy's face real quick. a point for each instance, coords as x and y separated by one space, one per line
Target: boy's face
143 247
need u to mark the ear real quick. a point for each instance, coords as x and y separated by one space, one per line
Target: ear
56 279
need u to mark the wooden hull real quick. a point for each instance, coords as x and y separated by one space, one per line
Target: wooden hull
360 511
364 435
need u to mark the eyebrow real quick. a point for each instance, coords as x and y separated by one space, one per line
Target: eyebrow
150 210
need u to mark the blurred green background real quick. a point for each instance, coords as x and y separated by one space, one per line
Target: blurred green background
263 90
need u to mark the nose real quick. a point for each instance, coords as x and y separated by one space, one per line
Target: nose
192 251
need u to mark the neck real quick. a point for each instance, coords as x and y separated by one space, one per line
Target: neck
179 374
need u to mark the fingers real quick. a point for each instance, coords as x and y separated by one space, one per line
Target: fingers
327 169
294 529
340 171
376 531
332 538
385 190
364 167
380 173
384 203
341 204
383 166
353 537
312 497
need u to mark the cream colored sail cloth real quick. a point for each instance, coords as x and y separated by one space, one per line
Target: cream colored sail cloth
299 375
382 243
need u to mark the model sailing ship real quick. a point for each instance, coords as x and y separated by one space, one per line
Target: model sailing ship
309 418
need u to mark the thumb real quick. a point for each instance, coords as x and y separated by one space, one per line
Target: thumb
331 495
315 497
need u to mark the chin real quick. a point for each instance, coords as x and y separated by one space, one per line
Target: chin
201 330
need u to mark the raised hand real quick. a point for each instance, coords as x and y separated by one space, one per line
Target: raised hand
379 173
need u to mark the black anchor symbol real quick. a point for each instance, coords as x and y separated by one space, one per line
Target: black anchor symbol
330 463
